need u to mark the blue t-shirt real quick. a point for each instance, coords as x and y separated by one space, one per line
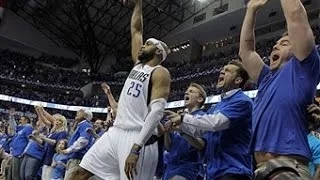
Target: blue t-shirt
228 150
20 140
3 140
7 143
35 150
100 133
183 159
314 144
280 122
50 149
59 170
81 131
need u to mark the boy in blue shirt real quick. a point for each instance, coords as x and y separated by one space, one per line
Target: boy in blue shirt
228 127
284 91
79 143
183 160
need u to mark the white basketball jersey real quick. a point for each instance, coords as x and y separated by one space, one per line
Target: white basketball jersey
133 102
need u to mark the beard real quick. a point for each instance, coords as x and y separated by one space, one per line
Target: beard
145 57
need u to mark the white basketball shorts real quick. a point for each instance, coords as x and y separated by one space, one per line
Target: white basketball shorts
106 158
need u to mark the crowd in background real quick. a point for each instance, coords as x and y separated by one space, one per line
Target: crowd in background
24 69
40 147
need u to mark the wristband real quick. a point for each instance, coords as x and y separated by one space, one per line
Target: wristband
135 152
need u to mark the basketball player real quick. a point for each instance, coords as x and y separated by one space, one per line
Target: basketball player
127 150
285 89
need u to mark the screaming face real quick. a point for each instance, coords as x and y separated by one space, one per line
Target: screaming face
228 78
281 53
192 97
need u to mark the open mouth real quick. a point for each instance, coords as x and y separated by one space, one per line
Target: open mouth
221 78
186 98
275 57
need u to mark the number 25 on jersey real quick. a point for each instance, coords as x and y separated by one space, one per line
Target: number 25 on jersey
134 89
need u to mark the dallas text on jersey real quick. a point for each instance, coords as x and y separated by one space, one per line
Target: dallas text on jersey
137 75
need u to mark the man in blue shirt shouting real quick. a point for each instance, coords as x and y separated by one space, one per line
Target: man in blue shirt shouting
228 125
284 91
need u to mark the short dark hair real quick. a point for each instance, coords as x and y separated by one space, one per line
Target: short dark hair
241 72
27 118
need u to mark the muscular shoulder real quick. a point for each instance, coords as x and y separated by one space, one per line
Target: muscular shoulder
161 72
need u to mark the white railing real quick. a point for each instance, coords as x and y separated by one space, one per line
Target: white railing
170 105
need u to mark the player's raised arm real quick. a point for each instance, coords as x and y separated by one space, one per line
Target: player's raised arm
136 30
247 52
299 30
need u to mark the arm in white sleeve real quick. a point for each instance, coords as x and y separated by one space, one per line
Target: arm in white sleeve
153 118
197 125
12 123
78 145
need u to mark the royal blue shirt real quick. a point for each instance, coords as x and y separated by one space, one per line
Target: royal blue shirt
59 170
35 150
50 149
7 143
3 140
314 144
280 122
228 150
81 131
20 140
100 133
183 159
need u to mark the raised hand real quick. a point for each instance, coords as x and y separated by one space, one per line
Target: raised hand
12 111
106 88
257 4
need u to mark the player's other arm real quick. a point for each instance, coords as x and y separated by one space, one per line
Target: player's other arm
136 30
160 91
299 30
247 51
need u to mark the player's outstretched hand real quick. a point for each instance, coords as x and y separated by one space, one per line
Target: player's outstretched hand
130 167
